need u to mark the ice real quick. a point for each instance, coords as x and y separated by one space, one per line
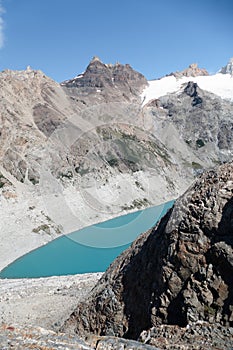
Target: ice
219 84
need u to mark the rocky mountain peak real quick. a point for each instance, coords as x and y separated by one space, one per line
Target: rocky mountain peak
192 71
27 74
183 264
108 79
228 69
95 59
24 85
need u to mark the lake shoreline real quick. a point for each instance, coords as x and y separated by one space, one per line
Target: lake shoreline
68 254
43 302
29 220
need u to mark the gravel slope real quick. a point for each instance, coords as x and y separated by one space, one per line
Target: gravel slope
43 302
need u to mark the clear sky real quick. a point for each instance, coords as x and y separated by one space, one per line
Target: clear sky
155 37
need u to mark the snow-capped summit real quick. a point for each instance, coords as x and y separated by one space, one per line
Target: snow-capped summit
228 69
220 84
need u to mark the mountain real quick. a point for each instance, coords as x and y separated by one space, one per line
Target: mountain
220 84
104 143
228 69
192 71
178 273
106 83
194 123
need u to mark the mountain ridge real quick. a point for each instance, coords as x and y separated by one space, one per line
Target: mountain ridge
192 71
108 152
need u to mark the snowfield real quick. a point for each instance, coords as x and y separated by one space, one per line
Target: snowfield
219 84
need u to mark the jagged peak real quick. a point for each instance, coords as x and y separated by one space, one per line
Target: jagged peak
99 75
95 59
117 64
27 73
28 77
192 71
228 69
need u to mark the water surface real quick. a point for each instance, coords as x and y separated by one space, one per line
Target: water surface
91 249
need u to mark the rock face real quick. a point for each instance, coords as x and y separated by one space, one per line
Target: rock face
178 273
228 69
108 82
192 71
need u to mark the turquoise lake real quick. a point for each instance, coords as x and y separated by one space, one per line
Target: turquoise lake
91 249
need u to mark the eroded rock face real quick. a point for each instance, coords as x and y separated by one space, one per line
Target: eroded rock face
178 273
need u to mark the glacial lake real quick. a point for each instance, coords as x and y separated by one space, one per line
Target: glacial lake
91 249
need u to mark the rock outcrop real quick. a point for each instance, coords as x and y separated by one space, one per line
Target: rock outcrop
192 71
228 69
178 273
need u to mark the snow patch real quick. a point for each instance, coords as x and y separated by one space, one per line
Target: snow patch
219 84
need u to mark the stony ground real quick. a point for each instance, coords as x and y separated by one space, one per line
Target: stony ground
32 310
196 336
36 338
44 302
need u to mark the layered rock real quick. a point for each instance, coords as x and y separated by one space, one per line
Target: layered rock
107 82
179 272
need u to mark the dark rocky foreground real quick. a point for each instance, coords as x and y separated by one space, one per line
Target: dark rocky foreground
196 337
179 273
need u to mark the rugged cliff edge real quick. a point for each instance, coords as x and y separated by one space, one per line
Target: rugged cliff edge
178 273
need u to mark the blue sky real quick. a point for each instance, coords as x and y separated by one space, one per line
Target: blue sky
155 37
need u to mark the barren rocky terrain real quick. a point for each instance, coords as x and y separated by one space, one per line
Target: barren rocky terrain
89 149
92 148
32 311
42 302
